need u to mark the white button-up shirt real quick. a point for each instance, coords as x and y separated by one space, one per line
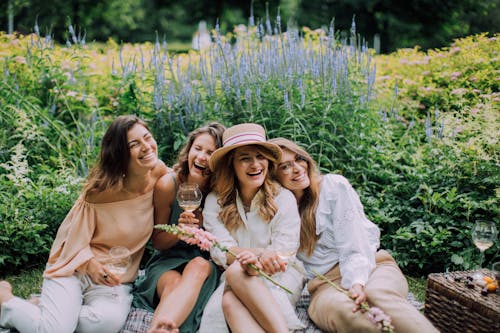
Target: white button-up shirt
347 237
283 231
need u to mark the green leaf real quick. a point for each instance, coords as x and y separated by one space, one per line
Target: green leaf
456 259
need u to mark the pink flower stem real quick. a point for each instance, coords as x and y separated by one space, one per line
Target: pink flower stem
333 284
262 273
364 306
203 239
384 326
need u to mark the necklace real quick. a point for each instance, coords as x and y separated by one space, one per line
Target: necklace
138 189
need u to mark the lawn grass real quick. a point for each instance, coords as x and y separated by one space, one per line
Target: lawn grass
417 287
26 282
30 281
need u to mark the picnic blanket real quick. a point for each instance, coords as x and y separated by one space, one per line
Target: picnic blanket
138 319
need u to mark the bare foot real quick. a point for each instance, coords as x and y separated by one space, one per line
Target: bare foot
5 291
164 326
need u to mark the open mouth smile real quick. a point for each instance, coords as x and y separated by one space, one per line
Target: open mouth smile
254 173
299 178
148 157
199 167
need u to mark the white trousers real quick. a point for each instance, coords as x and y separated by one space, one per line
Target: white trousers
70 304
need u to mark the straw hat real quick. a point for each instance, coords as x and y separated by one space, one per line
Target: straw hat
243 135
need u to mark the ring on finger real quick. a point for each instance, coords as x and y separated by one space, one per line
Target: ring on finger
105 276
275 263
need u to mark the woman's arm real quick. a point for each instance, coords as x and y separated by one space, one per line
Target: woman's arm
285 232
71 250
163 198
285 226
356 253
214 225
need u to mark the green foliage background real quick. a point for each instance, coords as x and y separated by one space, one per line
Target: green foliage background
415 132
399 24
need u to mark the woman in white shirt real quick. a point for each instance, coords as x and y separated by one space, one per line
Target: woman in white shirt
254 217
337 240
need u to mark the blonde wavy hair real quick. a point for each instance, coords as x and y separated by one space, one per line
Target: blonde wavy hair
226 186
309 201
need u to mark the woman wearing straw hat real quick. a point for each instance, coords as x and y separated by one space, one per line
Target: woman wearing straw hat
253 217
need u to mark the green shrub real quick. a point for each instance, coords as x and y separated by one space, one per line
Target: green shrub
418 138
30 216
443 163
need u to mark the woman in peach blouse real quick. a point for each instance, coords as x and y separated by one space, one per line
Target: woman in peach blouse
79 293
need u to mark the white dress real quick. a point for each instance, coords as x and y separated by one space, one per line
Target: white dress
282 231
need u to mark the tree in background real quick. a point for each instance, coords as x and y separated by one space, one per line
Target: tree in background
426 23
399 24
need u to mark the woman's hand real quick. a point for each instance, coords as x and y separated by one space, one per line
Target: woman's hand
271 262
246 258
100 275
358 294
189 219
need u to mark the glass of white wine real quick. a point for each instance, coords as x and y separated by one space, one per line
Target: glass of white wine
484 234
118 262
189 196
286 253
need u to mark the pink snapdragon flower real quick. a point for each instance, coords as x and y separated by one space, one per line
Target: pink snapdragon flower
380 319
199 237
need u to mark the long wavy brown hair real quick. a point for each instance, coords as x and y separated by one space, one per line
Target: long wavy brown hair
111 167
181 167
226 186
309 201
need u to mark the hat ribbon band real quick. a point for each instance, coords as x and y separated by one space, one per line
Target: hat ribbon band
244 138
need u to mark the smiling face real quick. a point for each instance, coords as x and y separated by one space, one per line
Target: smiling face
142 148
203 146
292 172
251 167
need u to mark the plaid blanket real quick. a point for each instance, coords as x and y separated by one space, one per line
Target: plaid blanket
138 320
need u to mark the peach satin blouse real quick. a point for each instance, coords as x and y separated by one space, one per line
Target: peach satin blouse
90 230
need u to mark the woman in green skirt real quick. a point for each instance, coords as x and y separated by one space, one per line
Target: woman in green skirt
179 278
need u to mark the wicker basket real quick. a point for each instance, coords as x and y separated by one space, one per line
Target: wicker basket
453 307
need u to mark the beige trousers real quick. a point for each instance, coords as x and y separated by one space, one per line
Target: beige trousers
387 289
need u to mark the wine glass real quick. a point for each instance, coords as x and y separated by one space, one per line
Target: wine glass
189 196
118 262
285 253
495 269
484 234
